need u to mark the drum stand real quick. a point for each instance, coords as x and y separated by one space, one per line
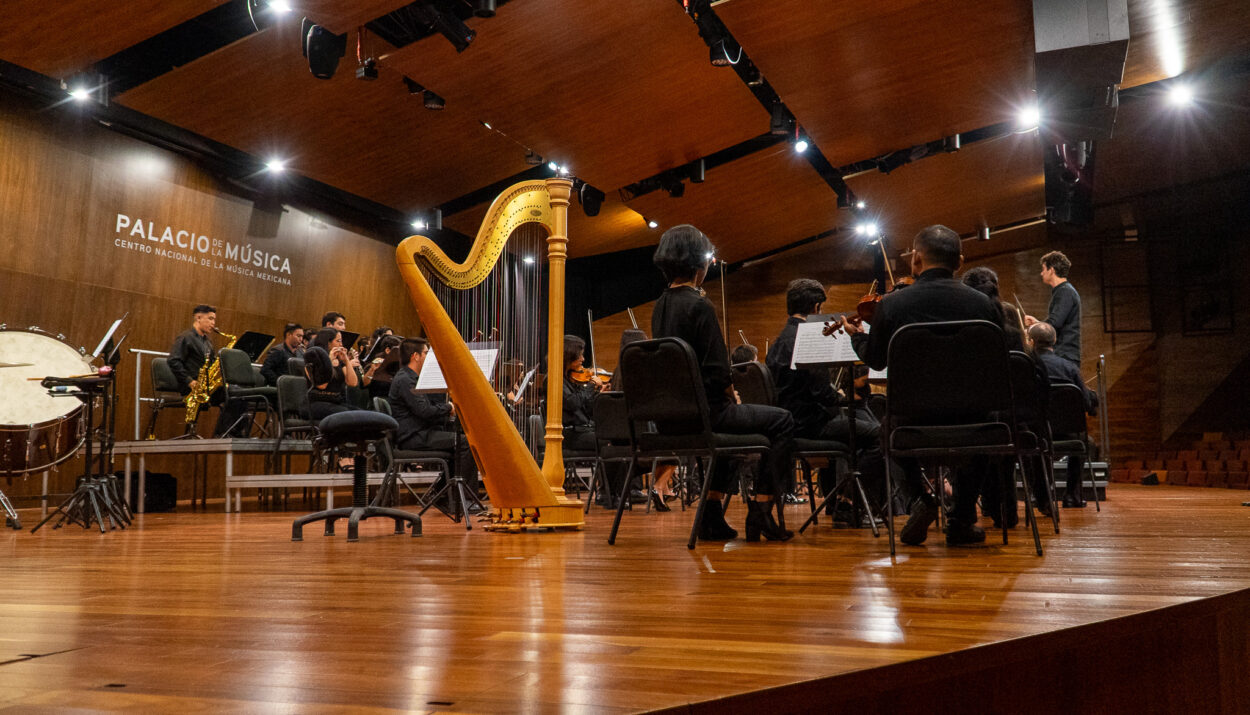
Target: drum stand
10 514
96 496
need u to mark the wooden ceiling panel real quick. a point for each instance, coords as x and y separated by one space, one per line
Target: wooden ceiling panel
341 17
617 93
866 78
616 228
369 138
989 183
749 206
1170 37
59 39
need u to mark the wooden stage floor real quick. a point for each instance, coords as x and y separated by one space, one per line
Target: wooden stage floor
212 611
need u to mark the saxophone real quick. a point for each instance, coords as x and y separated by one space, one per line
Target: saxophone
207 381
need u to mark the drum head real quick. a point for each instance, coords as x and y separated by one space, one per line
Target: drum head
26 402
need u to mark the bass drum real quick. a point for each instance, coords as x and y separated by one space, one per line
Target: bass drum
37 430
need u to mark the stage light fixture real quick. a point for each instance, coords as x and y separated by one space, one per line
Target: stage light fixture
866 229
456 32
653 224
368 70
710 256
983 233
800 144
724 53
860 205
846 199
487 125
80 94
553 166
418 224
780 123
322 48
280 6
698 171
676 190
590 198
436 219
484 8
1029 118
275 166
531 158
413 87
433 101
951 144
1181 95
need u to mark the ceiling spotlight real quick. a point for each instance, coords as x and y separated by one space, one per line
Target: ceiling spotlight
653 224
279 5
1029 118
368 70
553 166
800 145
860 205
80 94
698 171
275 166
710 256
528 260
433 101
322 48
418 224
563 170
724 53
484 8
1181 95
983 233
590 198
487 125
676 190
866 229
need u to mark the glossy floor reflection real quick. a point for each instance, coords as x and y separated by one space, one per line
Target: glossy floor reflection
216 611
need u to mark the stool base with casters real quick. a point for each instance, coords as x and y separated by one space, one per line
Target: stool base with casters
356 428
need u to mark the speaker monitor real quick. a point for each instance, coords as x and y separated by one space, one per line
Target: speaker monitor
322 48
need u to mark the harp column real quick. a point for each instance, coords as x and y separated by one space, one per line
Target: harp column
559 191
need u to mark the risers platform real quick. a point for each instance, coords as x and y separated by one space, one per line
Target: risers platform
1142 608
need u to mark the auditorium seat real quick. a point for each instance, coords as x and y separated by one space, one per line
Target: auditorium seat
1187 454
1237 480
1205 454
1219 480
1196 479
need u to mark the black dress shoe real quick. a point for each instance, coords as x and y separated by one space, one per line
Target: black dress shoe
961 534
1073 500
923 513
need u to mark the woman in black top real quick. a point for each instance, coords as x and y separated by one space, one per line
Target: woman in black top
329 371
684 255
579 429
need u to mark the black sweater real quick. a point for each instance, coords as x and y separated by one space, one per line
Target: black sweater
683 313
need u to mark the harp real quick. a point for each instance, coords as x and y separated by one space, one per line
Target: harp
522 495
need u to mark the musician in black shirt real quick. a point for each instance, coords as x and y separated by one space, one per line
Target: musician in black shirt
292 345
1064 311
684 255
936 296
193 350
422 419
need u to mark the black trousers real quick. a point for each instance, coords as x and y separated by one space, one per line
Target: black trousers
445 441
777 425
869 459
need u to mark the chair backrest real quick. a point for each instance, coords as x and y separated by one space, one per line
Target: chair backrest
1028 390
258 379
381 404
293 398
754 383
295 366
537 436
163 378
662 384
236 368
611 416
1067 409
945 373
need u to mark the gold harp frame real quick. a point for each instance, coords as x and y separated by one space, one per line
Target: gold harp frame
522 496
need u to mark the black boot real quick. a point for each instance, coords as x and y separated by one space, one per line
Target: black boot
760 521
714 527
781 519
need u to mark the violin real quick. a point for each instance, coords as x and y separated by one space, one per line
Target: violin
588 376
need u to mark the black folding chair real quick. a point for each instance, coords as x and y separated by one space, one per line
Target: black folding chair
165 394
245 383
612 437
755 386
394 460
1034 441
1067 422
949 390
662 384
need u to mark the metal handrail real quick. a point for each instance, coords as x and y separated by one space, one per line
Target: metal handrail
139 399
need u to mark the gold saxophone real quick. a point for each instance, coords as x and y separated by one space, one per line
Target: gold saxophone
523 496
207 382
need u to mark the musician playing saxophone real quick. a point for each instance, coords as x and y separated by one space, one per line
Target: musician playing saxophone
192 351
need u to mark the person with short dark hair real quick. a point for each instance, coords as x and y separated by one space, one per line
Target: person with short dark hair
192 350
744 353
683 256
383 367
936 296
334 320
329 371
579 428
1061 371
422 419
1064 312
292 345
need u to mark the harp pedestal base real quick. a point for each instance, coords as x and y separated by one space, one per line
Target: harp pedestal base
566 515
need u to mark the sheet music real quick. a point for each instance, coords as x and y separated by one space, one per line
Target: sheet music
876 374
432 379
811 348
525 381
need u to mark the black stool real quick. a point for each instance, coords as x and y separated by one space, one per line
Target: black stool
356 429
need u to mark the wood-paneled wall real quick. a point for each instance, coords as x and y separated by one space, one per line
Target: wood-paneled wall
66 267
